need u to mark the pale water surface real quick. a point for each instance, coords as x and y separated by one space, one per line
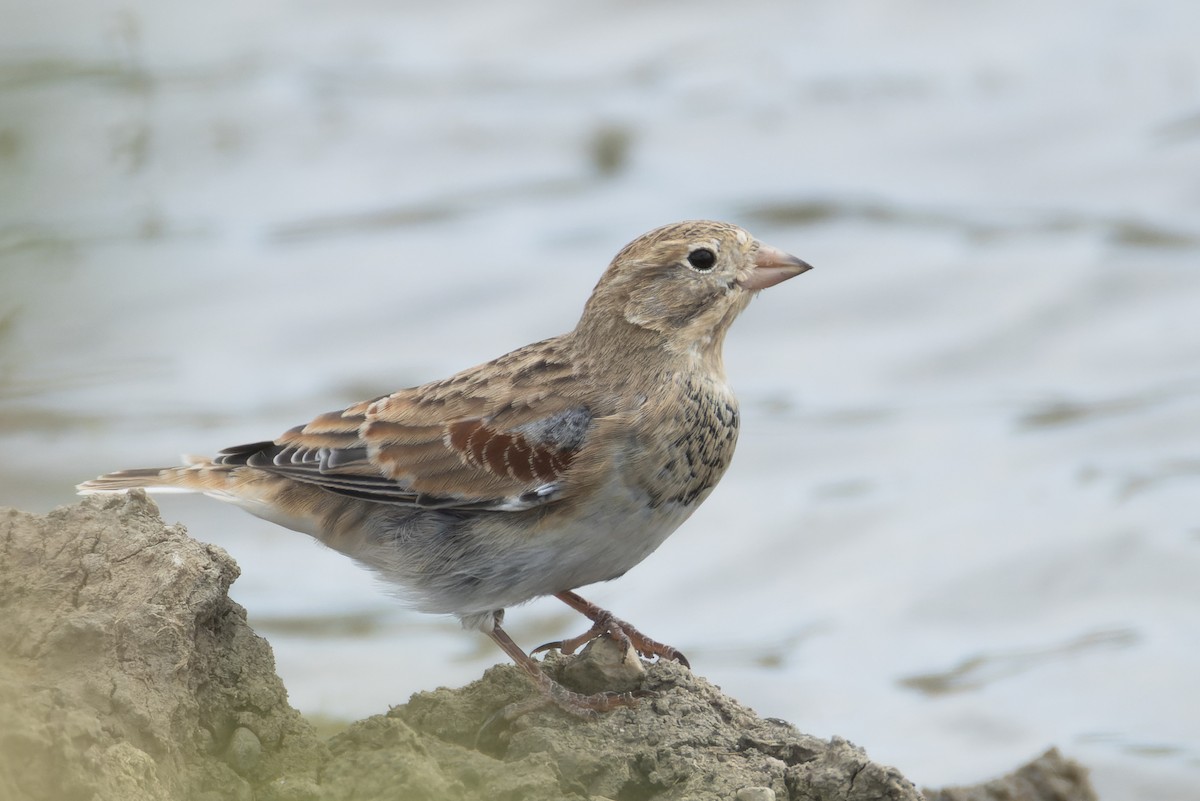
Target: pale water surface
962 524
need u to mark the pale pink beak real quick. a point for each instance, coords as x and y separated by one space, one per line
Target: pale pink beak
772 266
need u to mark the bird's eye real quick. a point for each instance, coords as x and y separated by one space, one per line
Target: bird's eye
702 259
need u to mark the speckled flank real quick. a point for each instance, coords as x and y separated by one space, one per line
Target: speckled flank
699 455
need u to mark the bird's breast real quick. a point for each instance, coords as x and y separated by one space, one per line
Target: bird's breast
694 440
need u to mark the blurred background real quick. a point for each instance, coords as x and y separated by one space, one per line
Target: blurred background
962 524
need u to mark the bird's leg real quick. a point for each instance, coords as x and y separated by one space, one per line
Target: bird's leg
578 704
605 623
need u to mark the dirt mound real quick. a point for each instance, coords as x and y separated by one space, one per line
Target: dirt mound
126 672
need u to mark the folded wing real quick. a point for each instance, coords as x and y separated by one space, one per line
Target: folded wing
461 443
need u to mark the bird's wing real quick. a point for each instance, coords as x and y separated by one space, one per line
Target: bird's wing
499 436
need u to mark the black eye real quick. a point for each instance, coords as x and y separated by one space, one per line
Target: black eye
702 259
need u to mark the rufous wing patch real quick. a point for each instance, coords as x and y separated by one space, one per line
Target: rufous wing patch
505 453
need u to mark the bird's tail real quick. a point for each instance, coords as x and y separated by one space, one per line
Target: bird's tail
257 491
196 475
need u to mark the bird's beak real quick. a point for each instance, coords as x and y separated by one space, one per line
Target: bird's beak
772 266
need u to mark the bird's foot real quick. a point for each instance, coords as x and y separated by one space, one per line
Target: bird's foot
604 623
551 692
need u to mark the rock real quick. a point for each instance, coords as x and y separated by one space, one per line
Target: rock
604 666
1050 777
755 794
244 751
127 673
706 746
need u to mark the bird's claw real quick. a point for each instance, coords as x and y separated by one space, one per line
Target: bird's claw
548 646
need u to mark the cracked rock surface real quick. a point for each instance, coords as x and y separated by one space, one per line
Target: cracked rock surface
127 673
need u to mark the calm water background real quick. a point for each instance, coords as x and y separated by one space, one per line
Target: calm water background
962 522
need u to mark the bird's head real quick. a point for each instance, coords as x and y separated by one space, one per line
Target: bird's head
682 285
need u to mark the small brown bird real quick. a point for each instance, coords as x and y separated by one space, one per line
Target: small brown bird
563 463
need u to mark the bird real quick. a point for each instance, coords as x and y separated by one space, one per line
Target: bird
558 465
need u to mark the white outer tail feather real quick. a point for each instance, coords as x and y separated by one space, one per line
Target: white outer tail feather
156 480
83 489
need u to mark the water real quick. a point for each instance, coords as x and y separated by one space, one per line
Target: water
962 521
